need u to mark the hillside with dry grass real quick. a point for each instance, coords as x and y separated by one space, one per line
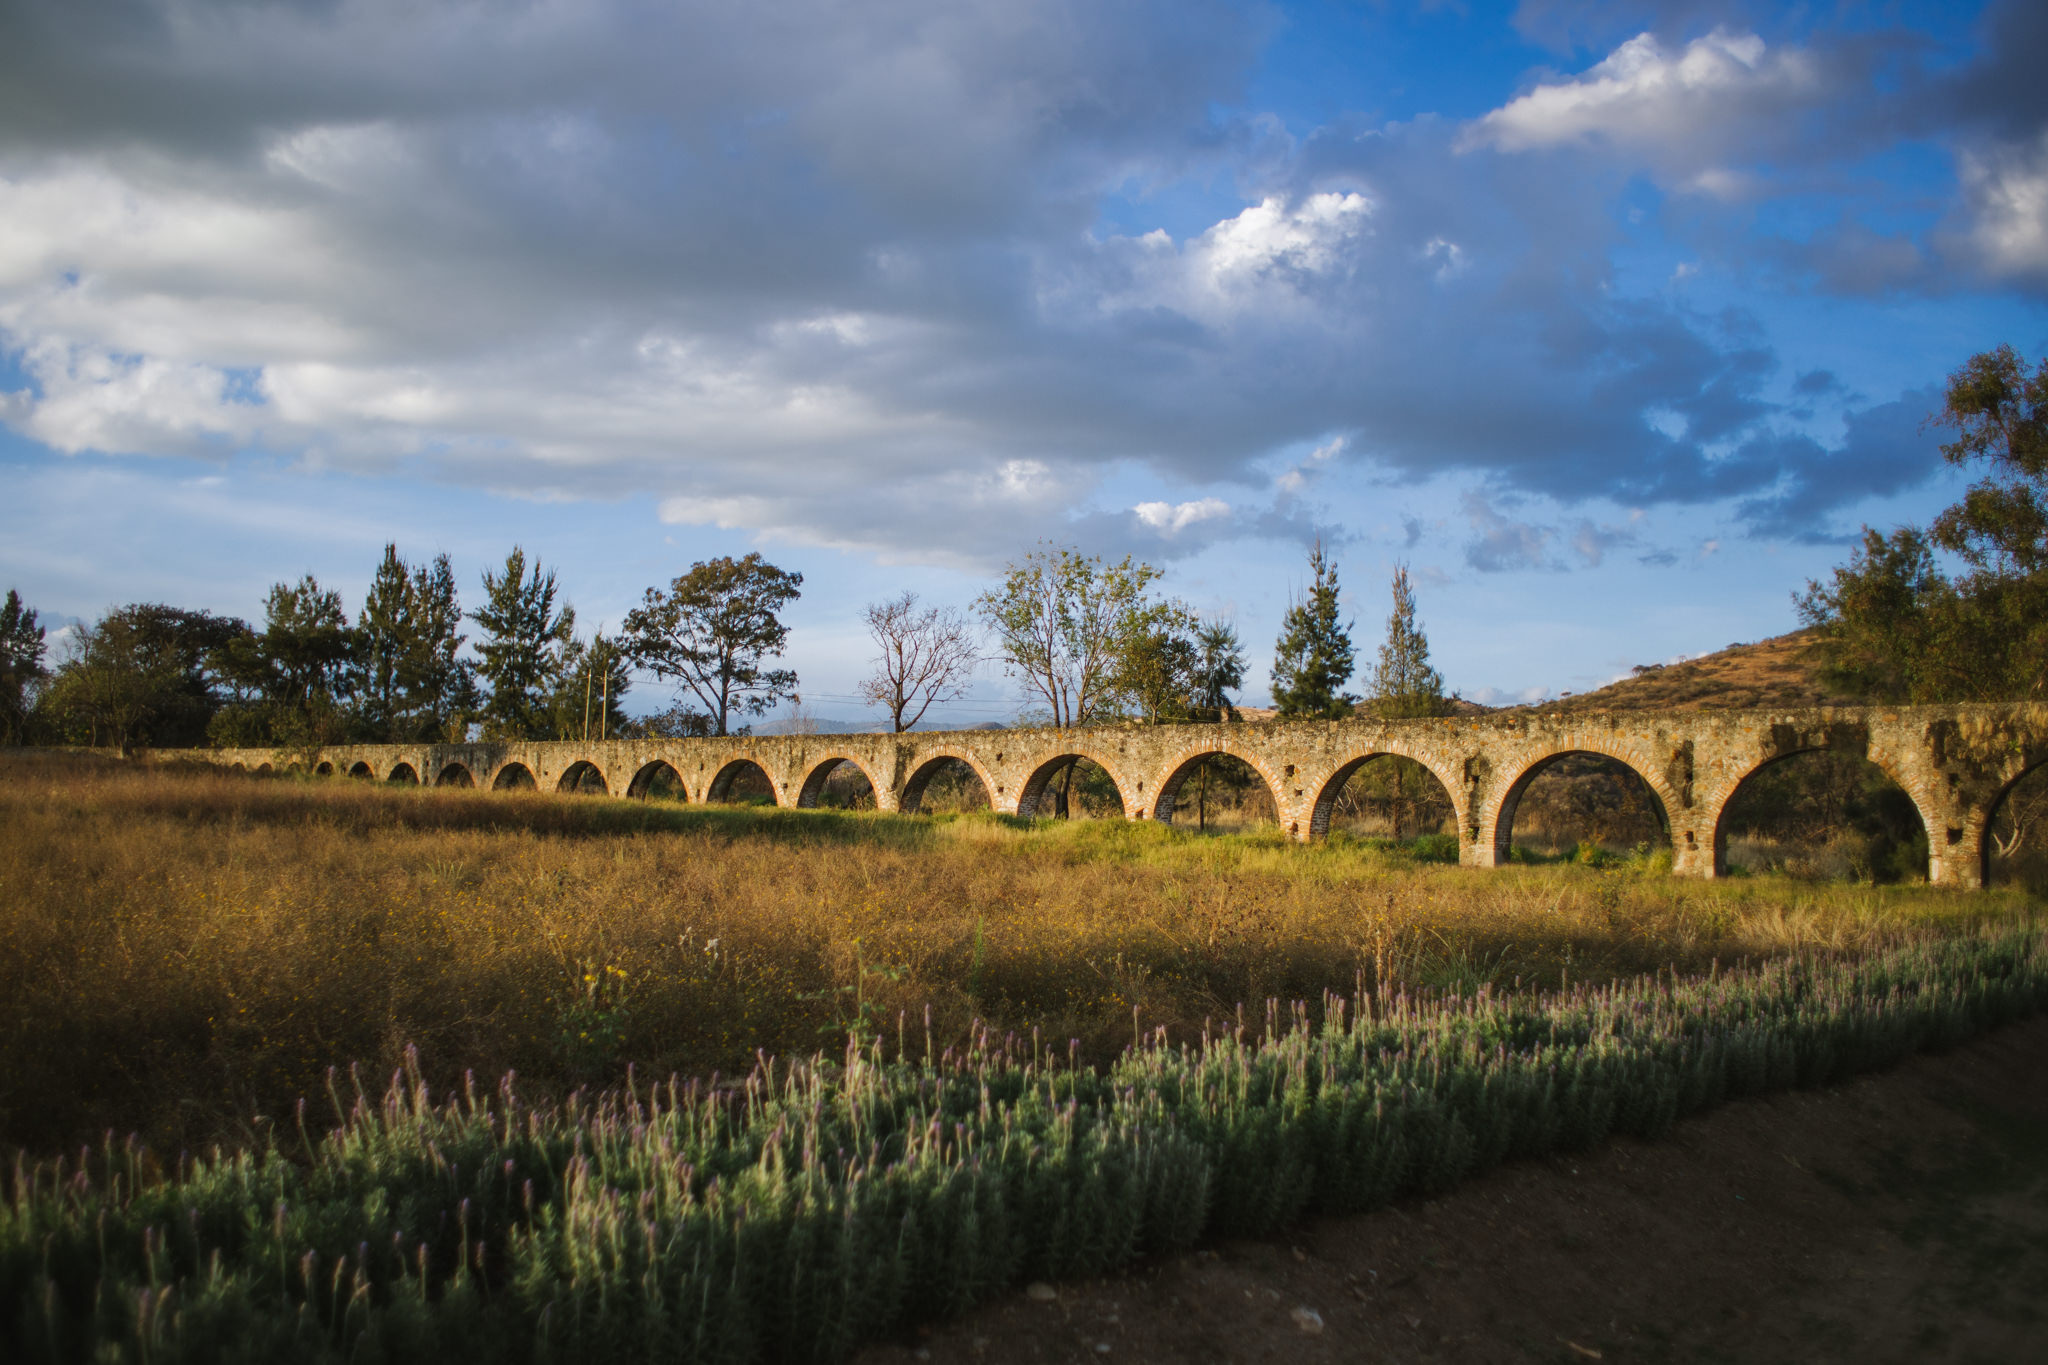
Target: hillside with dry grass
1776 673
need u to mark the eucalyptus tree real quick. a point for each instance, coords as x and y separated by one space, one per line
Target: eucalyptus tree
1066 624
1894 625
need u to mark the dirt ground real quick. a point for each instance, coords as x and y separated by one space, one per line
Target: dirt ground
1903 1217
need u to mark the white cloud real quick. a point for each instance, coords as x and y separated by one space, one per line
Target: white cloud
1677 108
1173 518
1273 261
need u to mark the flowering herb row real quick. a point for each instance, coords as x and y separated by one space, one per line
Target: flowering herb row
815 1206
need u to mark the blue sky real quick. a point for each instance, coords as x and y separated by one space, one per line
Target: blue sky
1614 321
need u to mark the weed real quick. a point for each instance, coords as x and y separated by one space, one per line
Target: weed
592 1013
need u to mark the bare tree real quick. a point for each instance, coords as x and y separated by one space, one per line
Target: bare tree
925 657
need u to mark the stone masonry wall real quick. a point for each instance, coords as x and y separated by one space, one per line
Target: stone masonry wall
1955 762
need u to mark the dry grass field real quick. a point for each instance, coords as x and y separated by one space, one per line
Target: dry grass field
185 953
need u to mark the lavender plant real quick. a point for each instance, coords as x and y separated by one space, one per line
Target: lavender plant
811 1206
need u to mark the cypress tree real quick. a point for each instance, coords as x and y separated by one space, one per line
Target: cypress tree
1313 658
1404 685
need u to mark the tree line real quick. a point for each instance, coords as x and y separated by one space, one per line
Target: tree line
1088 640
148 674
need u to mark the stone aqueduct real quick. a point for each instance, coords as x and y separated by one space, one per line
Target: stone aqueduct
1955 762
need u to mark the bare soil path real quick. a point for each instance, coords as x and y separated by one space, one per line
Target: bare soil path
1903 1217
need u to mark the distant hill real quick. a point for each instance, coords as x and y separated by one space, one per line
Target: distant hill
1778 672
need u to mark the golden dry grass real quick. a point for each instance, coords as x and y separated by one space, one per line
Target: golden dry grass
184 951
1778 672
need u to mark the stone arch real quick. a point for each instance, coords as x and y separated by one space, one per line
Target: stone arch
1725 796
514 777
1511 793
1986 848
455 775
263 770
362 771
1044 770
654 776
584 777
821 772
1183 765
1326 796
403 772
324 769
929 766
731 770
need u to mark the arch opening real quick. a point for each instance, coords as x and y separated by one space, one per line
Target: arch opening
362 772
583 779
742 782
2016 836
514 777
1581 805
657 781
455 775
1071 786
945 785
1390 798
263 770
838 784
403 773
1217 791
1824 815
324 769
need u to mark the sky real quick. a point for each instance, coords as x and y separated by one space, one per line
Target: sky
1614 322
